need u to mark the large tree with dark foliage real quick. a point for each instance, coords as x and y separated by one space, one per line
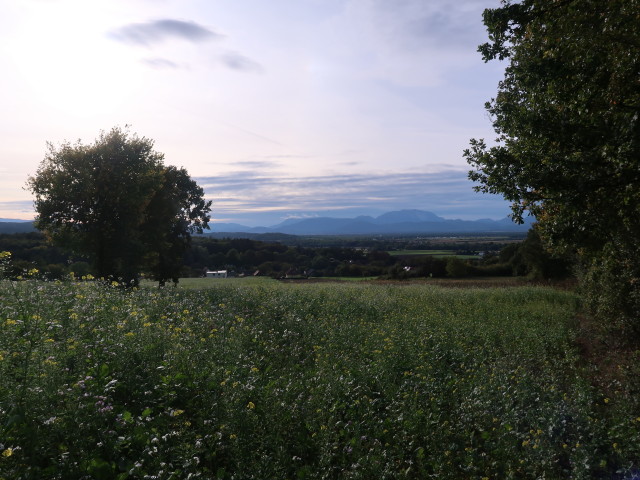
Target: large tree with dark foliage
115 202
568 147
176 211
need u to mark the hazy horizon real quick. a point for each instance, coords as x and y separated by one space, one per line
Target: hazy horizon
272 219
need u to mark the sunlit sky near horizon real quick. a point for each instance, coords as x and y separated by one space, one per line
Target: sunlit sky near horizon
278 108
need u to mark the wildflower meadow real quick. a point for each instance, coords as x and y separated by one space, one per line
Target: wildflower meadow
260 380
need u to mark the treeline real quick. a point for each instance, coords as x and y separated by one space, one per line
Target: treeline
251 257
245 256
461 242
31 250
527 258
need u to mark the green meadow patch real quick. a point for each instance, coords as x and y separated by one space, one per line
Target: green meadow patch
433 253
265 380
397 253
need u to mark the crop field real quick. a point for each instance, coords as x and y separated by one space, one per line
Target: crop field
261 380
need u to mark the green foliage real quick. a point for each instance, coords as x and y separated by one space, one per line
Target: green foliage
567 116
456 267
281 381
528 258
5 262
176 211
611 284
114 201
275 259
532 259
29 250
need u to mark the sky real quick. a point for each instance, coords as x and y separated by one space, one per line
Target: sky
278 109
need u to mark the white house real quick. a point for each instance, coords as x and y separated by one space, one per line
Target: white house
217 274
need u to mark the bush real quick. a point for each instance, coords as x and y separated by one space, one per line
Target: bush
457 268
611 284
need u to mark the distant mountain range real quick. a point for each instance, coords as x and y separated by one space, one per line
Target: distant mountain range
390 223
399 222
8 225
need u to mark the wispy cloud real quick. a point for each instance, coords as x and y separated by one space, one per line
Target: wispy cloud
18 209
256 164
288 157
416 42
447 193
238 62
419 24
160 63
158 31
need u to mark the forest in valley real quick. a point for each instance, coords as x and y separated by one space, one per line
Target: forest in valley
386 257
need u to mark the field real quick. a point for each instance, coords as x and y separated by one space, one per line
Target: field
433 253
257 379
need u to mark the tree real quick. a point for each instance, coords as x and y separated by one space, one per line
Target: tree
116 203
175 212
567 119
456 267
530 258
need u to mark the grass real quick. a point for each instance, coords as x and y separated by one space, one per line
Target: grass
251 378
207 283
198 283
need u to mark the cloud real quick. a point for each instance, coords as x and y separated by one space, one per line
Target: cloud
288 156
417 24
448 193
238 62
160 63
17 209
414 43
158 31
257 164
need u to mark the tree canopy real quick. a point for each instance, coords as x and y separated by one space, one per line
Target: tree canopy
566 116
116 202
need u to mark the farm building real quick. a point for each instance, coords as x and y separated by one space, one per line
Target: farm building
216 274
